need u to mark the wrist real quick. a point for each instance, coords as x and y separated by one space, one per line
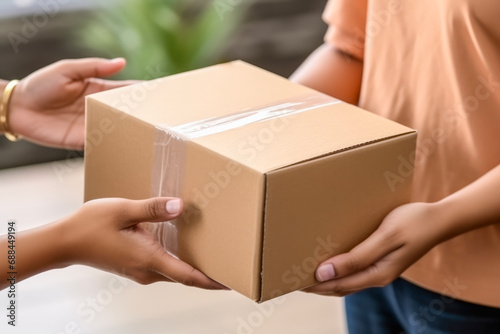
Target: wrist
60 230
15 110
446 219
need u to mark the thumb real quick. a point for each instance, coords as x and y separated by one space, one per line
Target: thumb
79 69
152 210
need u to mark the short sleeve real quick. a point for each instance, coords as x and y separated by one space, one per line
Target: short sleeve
346 21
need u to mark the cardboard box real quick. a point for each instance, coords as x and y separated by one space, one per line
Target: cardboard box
277 177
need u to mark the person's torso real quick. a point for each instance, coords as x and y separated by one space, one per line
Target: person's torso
435 66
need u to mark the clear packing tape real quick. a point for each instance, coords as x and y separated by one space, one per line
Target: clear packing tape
170 151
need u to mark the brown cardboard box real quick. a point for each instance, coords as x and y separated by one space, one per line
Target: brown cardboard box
277 177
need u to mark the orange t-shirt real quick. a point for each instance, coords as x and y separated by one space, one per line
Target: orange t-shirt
435 66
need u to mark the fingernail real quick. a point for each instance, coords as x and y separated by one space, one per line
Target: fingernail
174 206
325 272
116 60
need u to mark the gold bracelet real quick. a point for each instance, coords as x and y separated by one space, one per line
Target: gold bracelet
4 111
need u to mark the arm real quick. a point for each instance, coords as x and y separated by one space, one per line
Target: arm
105 234
36 250
3 84
333 72
409 232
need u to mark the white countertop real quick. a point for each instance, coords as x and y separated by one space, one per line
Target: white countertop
85 300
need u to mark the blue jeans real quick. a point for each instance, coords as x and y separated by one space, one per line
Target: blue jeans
404 308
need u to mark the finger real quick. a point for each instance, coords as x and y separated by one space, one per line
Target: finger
159 209
333 288
181 272
79 69
375 275
376 246
330 293
98 85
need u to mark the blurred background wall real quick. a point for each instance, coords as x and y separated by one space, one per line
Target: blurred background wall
158 38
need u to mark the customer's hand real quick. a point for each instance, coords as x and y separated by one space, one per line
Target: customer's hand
48 106
404 236
108 234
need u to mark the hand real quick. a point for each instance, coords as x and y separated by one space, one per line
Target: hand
108 234
48 106
404 236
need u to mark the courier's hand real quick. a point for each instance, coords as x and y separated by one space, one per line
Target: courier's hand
404 236
48 106
107 234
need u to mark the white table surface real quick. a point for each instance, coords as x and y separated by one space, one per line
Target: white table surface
60 301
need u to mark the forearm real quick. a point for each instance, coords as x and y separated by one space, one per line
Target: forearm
332 72
37 250
472 207
3 84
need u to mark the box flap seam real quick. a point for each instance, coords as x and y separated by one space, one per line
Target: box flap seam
345 149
